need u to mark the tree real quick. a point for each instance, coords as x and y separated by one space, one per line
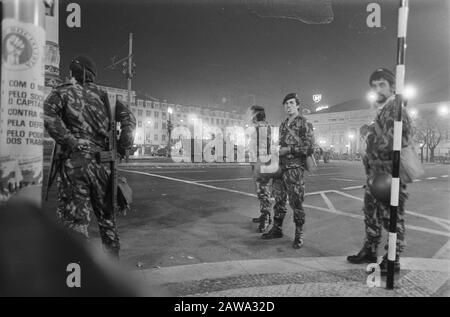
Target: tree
428 130
420 137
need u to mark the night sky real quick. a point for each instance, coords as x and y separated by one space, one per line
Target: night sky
219 52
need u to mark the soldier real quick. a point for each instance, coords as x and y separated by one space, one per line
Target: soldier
262 182
296 142
377 159
77 117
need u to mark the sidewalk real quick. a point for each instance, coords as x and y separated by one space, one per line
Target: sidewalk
296 277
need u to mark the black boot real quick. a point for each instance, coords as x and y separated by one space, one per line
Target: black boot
384 264
298 239
366 255
275 232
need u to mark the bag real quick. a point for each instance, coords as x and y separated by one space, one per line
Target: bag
310 164
410 166
124 196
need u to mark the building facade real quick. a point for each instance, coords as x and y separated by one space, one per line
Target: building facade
152 116
338 127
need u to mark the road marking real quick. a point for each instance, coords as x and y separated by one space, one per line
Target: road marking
440 221
224 180
443 252
350 215
179 172
444 176
190 182
345 180
416 180
327 174
352 187
431 177
328 202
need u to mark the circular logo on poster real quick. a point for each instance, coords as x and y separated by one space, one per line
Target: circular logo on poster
19 49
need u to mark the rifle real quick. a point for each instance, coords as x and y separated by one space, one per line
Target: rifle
54 167
121 193
111 155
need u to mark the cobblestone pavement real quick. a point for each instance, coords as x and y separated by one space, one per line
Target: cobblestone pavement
299 278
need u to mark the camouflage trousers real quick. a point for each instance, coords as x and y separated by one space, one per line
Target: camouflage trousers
262 185
82 185
292 185
377 215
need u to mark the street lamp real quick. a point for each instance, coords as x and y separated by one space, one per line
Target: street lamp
443 110
372 96
413 113
409 92
169 130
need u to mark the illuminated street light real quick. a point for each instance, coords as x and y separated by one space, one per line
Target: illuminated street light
443 110
413 113
170 110
409 92
372 96
192 117
351 136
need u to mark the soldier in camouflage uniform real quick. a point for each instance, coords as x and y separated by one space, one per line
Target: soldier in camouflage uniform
296 140
262 182
78 119
378 159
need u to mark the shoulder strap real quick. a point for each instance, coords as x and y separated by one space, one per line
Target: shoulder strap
291 132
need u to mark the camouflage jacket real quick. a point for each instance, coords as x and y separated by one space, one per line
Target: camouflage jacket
300 146
262 129
74 111
380 139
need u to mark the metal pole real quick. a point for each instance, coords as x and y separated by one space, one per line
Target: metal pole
397 144
129 77
130 66
22 76
169 127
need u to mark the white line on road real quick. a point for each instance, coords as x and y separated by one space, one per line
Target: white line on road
440 221
443 252
179 172
317 175
328 202
345 180
416 180
352 187
190 182
436 232
431 177
444 176
350 215
223 180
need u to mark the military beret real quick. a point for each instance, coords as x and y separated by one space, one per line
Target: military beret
84 61
292 95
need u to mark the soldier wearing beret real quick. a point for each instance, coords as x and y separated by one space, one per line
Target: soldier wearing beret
77 117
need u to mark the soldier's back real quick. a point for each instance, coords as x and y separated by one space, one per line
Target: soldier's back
85 112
